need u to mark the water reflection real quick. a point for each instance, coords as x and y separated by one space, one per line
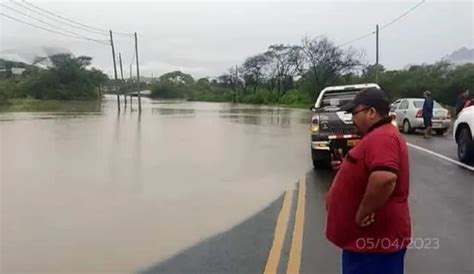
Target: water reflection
280 121
173 111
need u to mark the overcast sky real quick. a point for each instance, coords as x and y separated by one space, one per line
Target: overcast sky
206 38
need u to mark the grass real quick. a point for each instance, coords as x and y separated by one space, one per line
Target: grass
35 105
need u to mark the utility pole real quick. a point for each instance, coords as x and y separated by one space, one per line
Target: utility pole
100 92
236 83
131 85
138 76
377 54
115 68
121 74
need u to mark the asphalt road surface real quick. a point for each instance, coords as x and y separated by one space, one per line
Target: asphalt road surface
199 188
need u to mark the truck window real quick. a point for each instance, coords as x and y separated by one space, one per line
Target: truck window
338 99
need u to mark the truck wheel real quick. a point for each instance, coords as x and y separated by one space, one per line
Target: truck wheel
465 146
320 159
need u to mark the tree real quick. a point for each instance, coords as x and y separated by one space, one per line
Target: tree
232 80
65 78
324 61
286 62
178 78
203 84
98 79
253 69
175 84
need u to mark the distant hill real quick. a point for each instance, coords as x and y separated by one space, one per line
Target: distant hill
461 56
12 64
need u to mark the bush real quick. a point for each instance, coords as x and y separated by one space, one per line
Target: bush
168 90
295 97
9 89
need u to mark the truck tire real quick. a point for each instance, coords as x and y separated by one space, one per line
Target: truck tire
465 145
321 160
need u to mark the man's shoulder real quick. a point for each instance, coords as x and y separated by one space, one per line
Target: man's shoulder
387 130
387 133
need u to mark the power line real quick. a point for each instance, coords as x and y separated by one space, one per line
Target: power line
403 15
72 21
50 30
57 20
51 25
356 39
384 26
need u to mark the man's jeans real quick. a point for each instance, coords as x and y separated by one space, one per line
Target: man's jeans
373 263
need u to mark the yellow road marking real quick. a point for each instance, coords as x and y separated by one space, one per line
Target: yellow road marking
280 231
297 242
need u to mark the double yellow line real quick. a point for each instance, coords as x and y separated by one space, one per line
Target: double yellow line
280 231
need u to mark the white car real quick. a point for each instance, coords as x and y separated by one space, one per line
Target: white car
463 133
409 115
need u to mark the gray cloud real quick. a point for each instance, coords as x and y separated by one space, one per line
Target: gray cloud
206 38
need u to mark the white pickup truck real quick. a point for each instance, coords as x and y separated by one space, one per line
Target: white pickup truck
463 133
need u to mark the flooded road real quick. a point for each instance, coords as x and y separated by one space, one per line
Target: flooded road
106 192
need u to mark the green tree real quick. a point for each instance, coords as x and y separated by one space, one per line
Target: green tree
325 62
66 78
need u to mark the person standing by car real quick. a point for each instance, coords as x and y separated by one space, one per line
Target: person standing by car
463 99
427 113
367 204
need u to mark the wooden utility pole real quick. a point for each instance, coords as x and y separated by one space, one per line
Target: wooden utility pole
138 75
115 68
131 86
237 82
377 54
121 74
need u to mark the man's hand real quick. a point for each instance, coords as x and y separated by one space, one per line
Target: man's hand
366 220
336 165
379 188
336 159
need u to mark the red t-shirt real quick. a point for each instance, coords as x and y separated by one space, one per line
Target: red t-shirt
381 149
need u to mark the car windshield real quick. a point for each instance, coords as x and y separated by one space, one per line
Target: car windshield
419 104
338 99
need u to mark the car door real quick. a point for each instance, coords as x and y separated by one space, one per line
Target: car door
402 111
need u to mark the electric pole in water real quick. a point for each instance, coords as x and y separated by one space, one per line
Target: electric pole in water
377 54
131 86
138 75
115 69
121 74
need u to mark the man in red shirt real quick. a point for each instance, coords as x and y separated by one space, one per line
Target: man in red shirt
368 215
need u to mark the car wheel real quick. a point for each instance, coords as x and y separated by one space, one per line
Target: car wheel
440 131
465 146
407 127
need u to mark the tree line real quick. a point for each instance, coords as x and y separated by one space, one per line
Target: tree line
283 74
294 75
60 77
